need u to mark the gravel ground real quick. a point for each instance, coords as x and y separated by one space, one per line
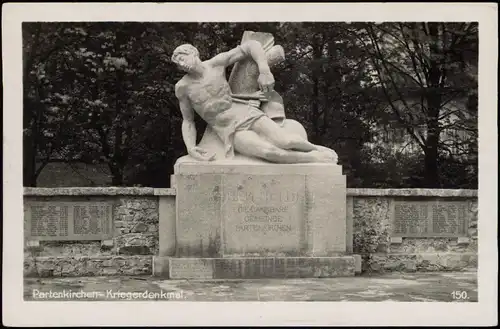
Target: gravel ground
407 287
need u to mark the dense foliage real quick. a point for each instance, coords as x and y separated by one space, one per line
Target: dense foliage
104 93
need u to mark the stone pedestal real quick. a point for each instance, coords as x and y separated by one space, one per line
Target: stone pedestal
237 220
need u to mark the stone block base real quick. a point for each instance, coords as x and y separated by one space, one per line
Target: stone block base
421 262
161 267
76 266
255 268
294 210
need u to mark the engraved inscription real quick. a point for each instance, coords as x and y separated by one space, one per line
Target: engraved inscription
90 219
411 218
49 221
430 219
263 214
63 222
263 196
449 219
271 220
69 220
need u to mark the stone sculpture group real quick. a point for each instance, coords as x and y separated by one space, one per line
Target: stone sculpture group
245 116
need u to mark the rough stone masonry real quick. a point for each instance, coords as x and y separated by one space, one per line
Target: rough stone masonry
136 233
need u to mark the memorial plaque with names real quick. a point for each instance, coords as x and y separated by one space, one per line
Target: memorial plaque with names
430 219
69 220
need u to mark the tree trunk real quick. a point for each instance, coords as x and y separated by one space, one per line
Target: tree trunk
118 161
315 110
29 163
431 172
433 95
29 178
117 176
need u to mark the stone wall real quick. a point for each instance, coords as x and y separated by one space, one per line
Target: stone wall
372 225
135 219
136 234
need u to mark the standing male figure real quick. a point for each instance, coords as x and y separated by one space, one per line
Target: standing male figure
241 126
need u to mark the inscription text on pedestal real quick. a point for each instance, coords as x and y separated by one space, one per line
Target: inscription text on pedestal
263 214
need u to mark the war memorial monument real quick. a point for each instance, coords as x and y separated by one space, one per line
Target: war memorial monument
253 199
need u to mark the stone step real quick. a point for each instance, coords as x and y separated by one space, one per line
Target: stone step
255 267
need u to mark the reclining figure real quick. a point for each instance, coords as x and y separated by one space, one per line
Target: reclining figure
245 116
